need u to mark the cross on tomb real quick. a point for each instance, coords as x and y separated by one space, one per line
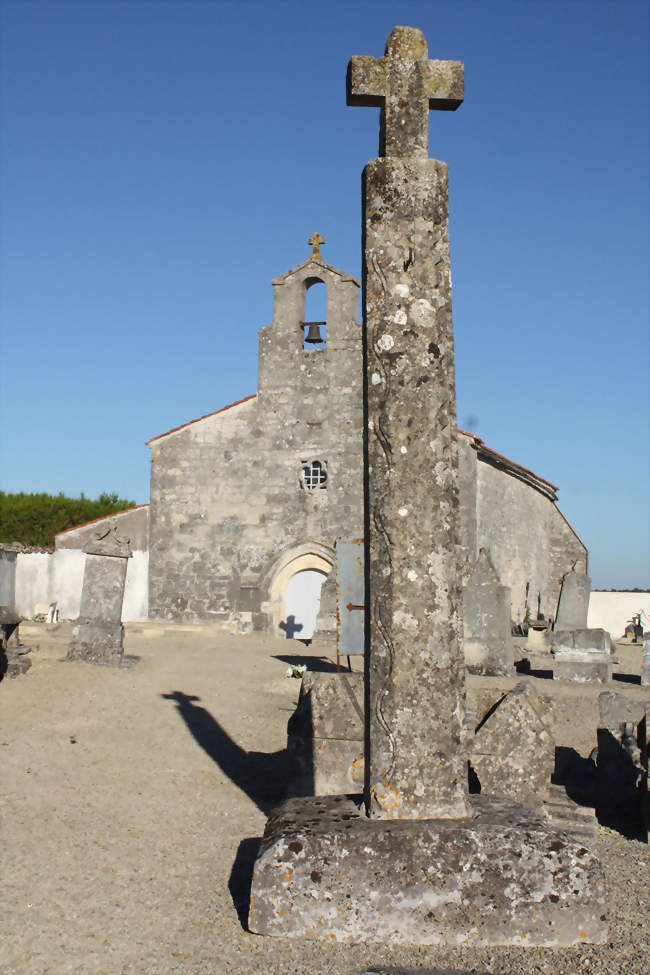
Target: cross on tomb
405 84
316 240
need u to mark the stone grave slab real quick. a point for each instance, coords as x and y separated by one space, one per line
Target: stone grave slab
487 637
583 656
513 750
99 634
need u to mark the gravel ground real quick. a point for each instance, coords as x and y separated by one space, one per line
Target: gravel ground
132 802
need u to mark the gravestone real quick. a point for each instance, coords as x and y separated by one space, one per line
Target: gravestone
418 861
582 656
573 604
98 634
8 556
487 638
513 751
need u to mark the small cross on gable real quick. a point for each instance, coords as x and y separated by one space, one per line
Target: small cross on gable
316 240
405 84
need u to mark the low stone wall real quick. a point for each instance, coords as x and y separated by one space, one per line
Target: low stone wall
56 577
611 611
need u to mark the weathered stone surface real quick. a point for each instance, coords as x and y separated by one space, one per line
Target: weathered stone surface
8 555
325 735
573 605
570 816
325 766
583 656
584 640
416 768
502 876
98 635
329 706
97 642
645 665
487 639
404 84
617 709
513 751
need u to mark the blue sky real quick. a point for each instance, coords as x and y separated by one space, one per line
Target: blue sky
163 161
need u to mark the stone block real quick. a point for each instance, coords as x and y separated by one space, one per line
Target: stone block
329 706
645 665
325 766
617 709
585 640
97 642
487 640
582 655
582 668
502 876
573 604
325 735
513 751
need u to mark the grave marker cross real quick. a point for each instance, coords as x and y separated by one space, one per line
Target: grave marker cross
405 84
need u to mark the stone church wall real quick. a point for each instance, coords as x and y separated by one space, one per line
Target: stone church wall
230 509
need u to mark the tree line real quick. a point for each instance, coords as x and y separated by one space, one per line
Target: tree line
34 519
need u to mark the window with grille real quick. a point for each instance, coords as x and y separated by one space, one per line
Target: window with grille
313 475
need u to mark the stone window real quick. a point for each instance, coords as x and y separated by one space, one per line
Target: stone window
313 475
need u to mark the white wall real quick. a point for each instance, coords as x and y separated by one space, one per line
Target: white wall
612 610
43 578
136 591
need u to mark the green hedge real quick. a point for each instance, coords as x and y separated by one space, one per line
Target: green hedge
34 519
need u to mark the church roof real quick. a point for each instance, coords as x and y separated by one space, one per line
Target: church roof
498 460
199 418
318 266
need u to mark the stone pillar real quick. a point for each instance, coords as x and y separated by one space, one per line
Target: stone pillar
98 635
500 875
573 604
8 556
487 637
416 766
645 664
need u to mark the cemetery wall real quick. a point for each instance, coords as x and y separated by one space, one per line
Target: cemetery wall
611 611
43 578
132 524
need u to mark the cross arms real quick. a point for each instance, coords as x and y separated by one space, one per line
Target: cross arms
405 84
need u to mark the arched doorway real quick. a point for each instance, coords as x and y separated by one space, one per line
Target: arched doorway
302 603
309 564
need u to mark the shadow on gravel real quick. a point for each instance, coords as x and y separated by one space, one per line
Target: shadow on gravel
627 678
263 776
241 878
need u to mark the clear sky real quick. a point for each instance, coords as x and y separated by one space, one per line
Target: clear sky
163 161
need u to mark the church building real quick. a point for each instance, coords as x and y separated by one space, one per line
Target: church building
248 503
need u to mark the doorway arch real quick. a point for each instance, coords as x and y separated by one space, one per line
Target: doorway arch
306 557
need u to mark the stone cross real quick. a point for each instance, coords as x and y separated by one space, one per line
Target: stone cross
316 240
415 765
405 84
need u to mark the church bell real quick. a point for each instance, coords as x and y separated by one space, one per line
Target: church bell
313 336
